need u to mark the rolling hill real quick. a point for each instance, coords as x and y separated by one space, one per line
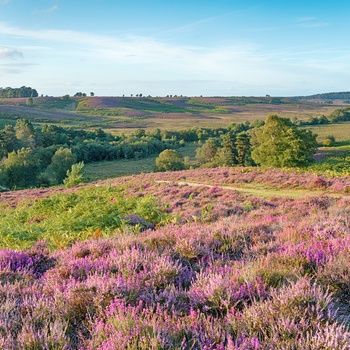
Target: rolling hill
122 114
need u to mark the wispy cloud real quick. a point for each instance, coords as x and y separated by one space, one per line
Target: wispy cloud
135 50
48 10
192 25
14 68
102 59
311 22
9 53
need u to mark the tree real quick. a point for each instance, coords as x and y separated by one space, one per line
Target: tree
228 153
18 92
243 149
29 101
65 98
61 161
21 168
281 144
207 152
170 160
25 133
75 175
80 94
8 141
329 141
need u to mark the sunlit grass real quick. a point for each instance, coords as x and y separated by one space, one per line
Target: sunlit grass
340 131
124 167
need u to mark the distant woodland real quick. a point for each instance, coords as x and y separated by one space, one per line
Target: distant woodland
18 92
345 95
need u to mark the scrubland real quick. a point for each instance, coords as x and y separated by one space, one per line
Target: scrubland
222 258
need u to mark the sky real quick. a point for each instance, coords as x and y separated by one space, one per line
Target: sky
190 48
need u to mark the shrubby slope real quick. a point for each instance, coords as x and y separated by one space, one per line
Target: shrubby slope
217 258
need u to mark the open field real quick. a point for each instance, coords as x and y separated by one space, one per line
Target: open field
125 167
221 258
123 114
340 131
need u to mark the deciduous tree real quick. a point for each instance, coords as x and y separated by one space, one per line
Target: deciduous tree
207 152
21 168
170 160
281 144
61 162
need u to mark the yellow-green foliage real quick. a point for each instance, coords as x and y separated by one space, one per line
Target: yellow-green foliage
64 218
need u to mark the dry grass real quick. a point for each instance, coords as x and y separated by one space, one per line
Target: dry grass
341 132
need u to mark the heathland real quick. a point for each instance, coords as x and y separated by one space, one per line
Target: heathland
122 114
231 257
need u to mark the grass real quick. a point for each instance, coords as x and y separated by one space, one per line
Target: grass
340 131
333 160
268 193
4 122
259 190
124 167
105 170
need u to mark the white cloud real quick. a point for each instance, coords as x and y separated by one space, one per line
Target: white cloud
137 50
8 53
57 55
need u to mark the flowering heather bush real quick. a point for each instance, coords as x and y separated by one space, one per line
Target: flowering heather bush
215 292
219 269
299 316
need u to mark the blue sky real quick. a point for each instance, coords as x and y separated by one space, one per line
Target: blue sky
209 48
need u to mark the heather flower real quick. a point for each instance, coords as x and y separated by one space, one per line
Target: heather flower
295 314
15 261
216 292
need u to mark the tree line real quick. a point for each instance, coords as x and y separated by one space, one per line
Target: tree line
42 156
337 116
276 142
23 91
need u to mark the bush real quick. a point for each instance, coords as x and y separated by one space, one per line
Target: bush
329 141
75 175
169 160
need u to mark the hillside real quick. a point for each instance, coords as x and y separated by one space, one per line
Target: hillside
120 114
344 95
225 258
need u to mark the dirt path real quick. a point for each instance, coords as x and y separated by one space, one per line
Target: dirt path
259 191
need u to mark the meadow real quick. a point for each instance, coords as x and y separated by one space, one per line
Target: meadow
340 131
124 167
220 258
